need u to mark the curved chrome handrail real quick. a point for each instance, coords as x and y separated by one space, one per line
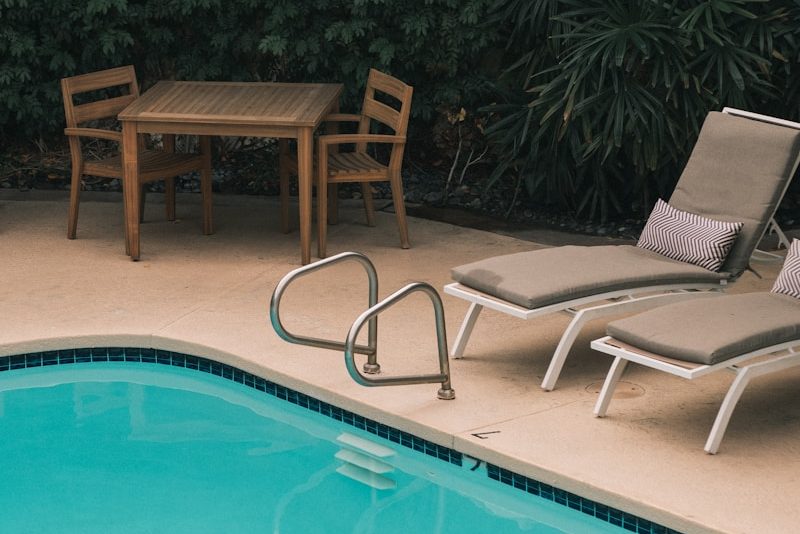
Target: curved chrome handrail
446 391
350 347
370 349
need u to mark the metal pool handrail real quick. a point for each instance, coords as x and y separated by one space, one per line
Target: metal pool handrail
370 316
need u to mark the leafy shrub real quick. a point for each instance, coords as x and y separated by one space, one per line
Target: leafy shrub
603 105
434 45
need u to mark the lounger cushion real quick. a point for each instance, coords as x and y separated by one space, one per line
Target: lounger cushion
712 330
788 282
738 172
688 237
549 276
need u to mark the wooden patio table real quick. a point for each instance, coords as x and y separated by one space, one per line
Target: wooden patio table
253 109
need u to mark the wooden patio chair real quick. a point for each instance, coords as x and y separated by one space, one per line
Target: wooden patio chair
154 164
334 167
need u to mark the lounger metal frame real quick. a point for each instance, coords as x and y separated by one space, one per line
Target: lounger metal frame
605 304
773 226
628 301
785 356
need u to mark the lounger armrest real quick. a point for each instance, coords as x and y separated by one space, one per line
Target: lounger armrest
94 132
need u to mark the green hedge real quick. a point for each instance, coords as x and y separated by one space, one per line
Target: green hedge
435 45
593 105
607 98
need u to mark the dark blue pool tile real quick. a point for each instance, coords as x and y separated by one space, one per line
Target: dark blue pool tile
227 372
50 357
133 354
99 354
602 512
33 360
147 355
116 354
66 356
17 362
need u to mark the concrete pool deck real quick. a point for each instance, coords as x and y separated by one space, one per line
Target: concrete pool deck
208 296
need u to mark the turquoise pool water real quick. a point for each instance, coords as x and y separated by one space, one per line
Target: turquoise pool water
119 447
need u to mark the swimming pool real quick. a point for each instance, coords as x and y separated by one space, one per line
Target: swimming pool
106 446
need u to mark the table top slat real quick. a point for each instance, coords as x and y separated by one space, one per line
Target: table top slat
245 103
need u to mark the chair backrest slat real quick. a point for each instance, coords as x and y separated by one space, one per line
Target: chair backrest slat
102 109
382 113
395 119
102 79
99 109
387 84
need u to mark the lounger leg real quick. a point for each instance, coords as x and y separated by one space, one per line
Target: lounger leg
612 379
585 315
567 339
726 410
466 330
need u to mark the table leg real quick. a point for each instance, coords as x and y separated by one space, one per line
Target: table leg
283 154
305 170
130 187
333 189
205 185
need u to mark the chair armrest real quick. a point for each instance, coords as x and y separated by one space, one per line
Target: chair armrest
339 139
94 132
342 117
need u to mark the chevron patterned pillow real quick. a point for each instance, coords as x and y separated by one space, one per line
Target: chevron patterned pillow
688 237
788 282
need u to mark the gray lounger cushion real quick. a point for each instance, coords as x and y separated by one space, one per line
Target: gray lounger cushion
738 172
543 277
712 330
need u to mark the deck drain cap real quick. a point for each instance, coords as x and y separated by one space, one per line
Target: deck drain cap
625 390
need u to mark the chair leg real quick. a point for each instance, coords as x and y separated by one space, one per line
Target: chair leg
283 172
74 201
168 140
369 204
400 209
205 185
169 197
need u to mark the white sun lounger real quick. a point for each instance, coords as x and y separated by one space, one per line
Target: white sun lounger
738 172
694 338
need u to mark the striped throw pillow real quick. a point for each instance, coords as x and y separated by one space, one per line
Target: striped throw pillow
688 237
788 282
